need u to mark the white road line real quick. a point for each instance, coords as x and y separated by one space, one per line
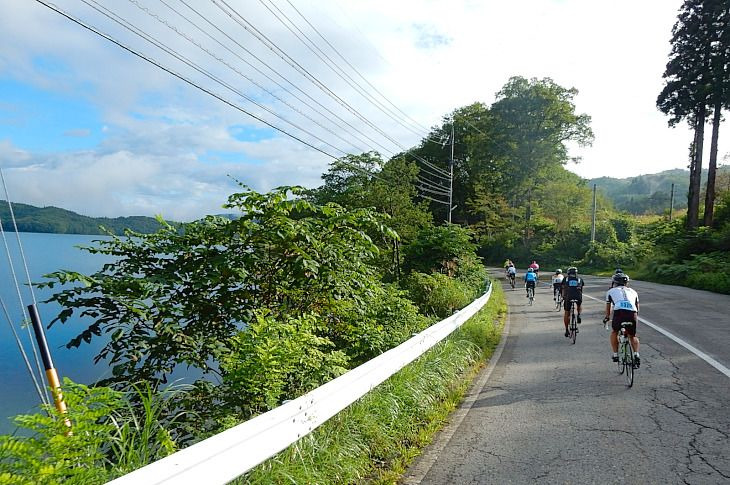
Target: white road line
681 342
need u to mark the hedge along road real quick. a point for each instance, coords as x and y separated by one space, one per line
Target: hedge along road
552 412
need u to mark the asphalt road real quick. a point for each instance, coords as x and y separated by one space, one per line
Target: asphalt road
552 412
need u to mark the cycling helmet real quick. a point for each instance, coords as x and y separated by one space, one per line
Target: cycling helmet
618 271
558 271
572 270
620 278
530 270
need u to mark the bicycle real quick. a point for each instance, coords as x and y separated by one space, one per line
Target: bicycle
531 294
512 281
558 300
626 354
573 326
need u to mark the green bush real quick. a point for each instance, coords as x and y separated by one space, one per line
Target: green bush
111 433
375 438
275 359
436 294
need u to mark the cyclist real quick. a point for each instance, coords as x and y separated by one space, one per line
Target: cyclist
507 264
530 281
557 283
536 268
572 290
618 271
511 273
625 303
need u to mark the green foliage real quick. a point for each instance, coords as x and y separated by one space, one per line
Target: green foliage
111 433
61 221
385 320
438 248
437 294
276 359
52 455
376 437
179 296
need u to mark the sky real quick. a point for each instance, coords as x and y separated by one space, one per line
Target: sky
88 126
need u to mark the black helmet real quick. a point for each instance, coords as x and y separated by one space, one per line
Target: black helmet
618 271
620 278
572 271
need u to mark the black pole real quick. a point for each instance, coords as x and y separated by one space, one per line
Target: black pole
51 374
40 337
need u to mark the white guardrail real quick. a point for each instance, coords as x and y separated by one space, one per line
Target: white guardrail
228 455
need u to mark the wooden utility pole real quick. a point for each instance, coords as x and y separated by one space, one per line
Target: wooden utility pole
671 203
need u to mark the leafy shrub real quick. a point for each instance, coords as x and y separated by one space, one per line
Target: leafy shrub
385 319
111 433
436 294
438 248
179 296
274 359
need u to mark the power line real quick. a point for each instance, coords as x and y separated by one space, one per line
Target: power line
355 69
234 69
327 60
130 27
179 76
274 71
246 25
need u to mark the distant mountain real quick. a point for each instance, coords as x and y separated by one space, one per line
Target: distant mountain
61 221
649 194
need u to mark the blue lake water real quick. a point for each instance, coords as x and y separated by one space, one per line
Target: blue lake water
45 253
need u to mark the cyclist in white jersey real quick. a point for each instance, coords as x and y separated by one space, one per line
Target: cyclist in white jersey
557 282
625 303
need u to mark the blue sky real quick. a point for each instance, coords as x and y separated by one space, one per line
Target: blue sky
89 127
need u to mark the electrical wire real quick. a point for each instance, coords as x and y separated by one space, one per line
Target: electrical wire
237 71
179 76
283 78
327 60
415 123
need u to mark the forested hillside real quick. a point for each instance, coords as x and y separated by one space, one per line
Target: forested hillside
61 221
650 193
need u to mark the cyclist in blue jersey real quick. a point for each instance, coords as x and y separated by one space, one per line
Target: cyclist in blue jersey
530 281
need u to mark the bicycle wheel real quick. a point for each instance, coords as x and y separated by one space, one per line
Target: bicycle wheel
573 327
532 296
629 360
621 361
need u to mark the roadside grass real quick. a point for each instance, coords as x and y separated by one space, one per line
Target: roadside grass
375 439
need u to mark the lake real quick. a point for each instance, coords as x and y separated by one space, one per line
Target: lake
45 253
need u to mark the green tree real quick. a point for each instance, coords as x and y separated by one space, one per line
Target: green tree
536 119
696 84
179 296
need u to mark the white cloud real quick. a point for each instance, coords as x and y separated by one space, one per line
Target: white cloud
167 147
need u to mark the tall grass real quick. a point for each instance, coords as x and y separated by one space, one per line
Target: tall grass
378 436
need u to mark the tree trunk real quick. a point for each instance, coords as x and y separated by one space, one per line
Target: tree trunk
695 172
710 192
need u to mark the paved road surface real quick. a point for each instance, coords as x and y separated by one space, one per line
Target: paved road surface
552 412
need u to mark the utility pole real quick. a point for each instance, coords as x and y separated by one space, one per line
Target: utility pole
671 203
451 172
593 221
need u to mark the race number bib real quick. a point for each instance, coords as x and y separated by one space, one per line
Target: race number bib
626 305
573 283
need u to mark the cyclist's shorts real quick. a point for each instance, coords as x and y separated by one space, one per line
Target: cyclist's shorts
620 316
530 284
566 303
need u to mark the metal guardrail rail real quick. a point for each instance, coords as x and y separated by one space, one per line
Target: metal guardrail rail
228 455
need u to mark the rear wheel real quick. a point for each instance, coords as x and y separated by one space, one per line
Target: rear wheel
621 361
573 327
629 360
